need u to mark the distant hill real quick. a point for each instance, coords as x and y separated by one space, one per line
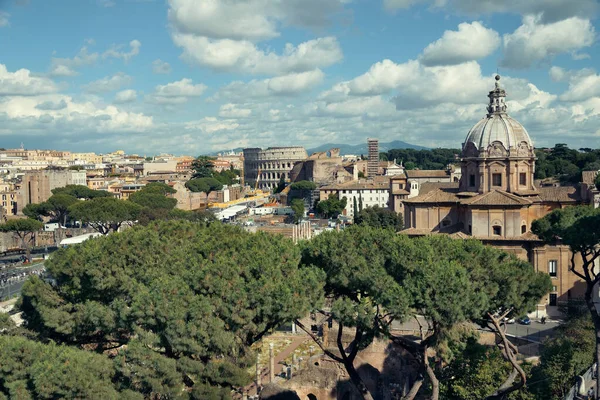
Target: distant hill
355 149
359 149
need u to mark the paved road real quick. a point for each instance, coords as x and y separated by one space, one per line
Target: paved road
535 332
13 278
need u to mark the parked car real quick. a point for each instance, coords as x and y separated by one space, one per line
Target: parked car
525 321
509 320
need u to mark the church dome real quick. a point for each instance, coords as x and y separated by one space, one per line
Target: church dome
497 133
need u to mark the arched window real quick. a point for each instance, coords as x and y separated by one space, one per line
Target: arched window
497 229
311 397
523 229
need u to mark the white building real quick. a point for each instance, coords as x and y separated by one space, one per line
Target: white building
369 194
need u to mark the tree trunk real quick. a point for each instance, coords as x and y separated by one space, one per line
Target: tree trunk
348 362
357 381
414 389
589 301
435 383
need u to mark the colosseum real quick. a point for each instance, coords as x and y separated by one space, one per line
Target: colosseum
272 163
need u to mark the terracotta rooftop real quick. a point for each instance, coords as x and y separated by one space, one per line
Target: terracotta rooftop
427 173
427 187
446 195
356 185
559 194
496 198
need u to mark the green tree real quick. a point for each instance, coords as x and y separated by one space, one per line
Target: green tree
57 206
366 267
564 357
280 185
25 229
303 185
332 207
179 303
379 217
475 372
154 196
298 209
354 206
81 192
36 210
361 175
227 176
32 370
105 214
579 228
361 289
205 185
203 167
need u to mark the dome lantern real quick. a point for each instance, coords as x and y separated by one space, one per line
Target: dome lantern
498 153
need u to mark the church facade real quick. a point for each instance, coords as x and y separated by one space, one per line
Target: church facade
496 200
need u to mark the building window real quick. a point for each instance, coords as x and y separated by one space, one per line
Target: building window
523 229
497 230
552 264
523 179
496 179
472 180
553 299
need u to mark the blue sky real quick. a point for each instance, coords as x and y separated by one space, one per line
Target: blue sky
195 76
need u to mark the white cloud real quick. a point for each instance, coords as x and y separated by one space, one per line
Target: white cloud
244 56
533 42
211 125
4 19
108 83
21 82
471 42
125 96
67 66
286 85
415 85
549 10
116 51
65 115
583 84
393 5
62 70
230 110
161 67
207 36
294 83
50 105
176 92
255 20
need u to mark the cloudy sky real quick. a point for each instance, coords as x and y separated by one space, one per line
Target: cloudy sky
195 76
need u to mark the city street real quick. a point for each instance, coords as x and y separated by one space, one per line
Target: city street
12 278
536 332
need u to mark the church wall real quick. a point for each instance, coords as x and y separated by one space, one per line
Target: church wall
482 221
432 217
